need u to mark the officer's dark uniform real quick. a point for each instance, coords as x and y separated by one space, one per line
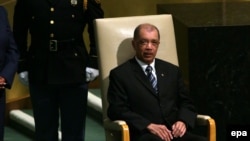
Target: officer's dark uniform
56 60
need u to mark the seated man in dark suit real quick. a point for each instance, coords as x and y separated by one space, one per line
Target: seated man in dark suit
150 95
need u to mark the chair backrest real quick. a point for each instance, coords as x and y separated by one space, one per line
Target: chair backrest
114 36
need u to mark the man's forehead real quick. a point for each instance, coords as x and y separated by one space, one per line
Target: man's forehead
148 31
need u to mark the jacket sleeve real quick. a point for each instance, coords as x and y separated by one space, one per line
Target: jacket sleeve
20 31
92 12
11 56
119 108
187 111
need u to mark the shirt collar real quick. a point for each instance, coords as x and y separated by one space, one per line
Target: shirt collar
144 65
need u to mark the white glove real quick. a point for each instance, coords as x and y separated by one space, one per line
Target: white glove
23 77
91 74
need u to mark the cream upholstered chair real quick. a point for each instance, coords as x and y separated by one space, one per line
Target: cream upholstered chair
113 36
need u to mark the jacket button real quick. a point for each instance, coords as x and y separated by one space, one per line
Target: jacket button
73 16
52 35
52 22
52 9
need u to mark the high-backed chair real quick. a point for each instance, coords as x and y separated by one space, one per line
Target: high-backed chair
114 36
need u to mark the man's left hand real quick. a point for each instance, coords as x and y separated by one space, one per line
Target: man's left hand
91 74
178 129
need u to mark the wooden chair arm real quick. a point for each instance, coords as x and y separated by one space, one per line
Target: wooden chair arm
112 128
210 123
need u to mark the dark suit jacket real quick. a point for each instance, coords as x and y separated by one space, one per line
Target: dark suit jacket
47 20
8 50
132 98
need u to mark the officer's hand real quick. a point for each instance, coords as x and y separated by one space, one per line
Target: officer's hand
91 74
23 77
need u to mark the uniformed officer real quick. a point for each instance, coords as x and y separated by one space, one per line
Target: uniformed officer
55 60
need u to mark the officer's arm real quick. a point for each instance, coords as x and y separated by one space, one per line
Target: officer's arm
20 32
93 11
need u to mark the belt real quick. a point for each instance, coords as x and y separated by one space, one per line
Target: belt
54 45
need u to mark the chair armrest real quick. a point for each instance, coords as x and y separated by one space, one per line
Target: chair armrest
202 119
116 128
210 123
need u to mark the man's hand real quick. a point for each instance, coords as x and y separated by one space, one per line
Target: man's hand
161 131
179 129
2 82
23 77
91 74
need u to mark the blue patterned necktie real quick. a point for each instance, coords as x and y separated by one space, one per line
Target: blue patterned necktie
151 78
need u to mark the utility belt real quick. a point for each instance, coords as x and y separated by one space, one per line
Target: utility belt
56 45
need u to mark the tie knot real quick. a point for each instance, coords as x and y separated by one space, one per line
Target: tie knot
149 69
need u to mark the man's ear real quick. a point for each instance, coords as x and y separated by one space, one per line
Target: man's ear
133 43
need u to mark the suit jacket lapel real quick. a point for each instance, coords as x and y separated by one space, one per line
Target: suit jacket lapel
140 75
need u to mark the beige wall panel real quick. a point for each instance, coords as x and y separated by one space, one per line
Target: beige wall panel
120 8
18 91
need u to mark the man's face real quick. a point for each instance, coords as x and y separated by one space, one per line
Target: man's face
146 45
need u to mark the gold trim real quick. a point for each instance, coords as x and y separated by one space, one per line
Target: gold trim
125 132
211 130
85 4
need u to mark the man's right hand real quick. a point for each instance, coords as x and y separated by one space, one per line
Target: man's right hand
160 130
23 77
2 82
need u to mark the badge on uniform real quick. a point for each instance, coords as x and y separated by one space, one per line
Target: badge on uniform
73 2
